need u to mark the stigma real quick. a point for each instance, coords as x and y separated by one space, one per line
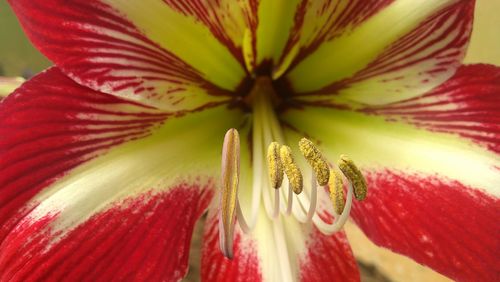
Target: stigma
284 176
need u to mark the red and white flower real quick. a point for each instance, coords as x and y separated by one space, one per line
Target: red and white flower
109 157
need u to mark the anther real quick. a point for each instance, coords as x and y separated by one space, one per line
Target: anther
336 187
228 201
351 171
291 169
316 160
274 165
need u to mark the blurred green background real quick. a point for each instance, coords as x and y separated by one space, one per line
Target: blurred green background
19 57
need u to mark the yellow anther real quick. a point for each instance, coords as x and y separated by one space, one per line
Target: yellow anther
351 171
336 187
230 178
316 160
291 169
274 165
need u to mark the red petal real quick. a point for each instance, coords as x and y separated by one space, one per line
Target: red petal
145 238
100 48
49 126
329 258
468 104
244 266
322 258
437 222
417 62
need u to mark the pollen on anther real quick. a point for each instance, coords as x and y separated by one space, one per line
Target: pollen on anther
275 166
316 160
291 169
351 172
335 186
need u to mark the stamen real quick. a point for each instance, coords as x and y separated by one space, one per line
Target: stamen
314 198
274 165
229 192
351 172
336 187
291 169
340 220
316 160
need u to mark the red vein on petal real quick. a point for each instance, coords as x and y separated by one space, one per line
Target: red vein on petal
98 48
352 15
438 222
468 105
159 221
36 155
215 267
328 256
417 47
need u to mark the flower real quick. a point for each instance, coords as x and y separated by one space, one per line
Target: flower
110 157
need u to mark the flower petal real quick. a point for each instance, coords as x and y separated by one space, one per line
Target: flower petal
50 125
276 250
467 105
393 266
279 251
318 21
436 221
402 51
133 239
155 52
433 195
88 187
274 20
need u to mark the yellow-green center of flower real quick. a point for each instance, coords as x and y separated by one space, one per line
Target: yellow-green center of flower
284 180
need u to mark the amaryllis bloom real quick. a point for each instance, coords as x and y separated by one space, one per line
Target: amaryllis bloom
109 157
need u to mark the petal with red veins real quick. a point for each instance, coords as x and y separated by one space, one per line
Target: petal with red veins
276 250
402 51
436 221
155 52
467 105
49 126
133 239
433 194
318 21
91 185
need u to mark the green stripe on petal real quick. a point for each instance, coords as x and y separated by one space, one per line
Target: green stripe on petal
153 54
275 21
350 52
185 37
185 149
375 143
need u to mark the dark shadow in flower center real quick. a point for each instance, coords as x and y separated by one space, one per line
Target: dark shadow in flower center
278 92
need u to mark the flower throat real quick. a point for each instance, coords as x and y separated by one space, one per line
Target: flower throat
278 180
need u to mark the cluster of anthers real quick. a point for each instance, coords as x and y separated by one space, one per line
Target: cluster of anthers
281 163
